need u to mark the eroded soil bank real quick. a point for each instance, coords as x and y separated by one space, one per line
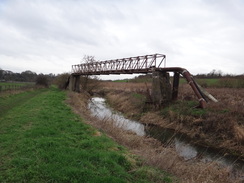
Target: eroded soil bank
150 150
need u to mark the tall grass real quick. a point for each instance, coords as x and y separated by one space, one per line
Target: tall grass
232 82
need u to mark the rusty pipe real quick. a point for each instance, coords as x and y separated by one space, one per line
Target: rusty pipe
187 75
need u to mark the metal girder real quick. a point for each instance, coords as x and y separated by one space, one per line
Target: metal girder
139 64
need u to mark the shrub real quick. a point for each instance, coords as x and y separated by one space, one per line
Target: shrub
90 84
62 81
42 80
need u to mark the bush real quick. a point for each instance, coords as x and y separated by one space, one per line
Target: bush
62 81
90 83
42 80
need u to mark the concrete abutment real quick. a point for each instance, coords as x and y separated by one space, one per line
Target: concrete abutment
74 83
162 90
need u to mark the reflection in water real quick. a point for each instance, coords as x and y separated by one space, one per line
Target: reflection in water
100 110
181 143
185 150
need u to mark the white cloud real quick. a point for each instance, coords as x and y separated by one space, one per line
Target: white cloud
49 36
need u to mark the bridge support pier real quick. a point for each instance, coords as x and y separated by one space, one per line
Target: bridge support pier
175 88
161 88
162 91
74 83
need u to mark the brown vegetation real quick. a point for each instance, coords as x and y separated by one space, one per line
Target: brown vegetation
62 80
232 82
42 80
126 86
90 84
220 125
150 150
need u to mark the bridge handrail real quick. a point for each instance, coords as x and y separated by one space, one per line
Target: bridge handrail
138 63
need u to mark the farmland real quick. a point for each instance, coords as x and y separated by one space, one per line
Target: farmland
216 82
14 86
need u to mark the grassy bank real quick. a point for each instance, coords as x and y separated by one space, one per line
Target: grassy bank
42 140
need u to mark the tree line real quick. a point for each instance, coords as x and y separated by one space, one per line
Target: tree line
26 76
217 74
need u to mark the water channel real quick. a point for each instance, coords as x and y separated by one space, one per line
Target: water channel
182 144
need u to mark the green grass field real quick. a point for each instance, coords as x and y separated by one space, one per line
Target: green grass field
42 140
121 81
206 82
5 86
223 82
6 83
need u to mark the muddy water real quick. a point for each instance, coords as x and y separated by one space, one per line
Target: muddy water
182 144
187 149
99 109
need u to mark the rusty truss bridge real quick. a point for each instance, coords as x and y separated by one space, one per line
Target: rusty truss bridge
131 65
142 64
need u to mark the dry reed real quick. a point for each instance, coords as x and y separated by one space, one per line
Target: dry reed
151 151
223 121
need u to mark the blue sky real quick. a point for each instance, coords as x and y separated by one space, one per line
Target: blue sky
49 36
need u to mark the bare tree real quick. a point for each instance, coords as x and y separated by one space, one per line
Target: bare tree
88 59
89 83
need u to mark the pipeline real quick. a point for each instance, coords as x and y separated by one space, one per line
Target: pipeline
201 98
186 74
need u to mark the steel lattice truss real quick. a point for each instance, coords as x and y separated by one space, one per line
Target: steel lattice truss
139 64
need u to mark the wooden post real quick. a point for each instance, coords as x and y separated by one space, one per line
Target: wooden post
175 89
